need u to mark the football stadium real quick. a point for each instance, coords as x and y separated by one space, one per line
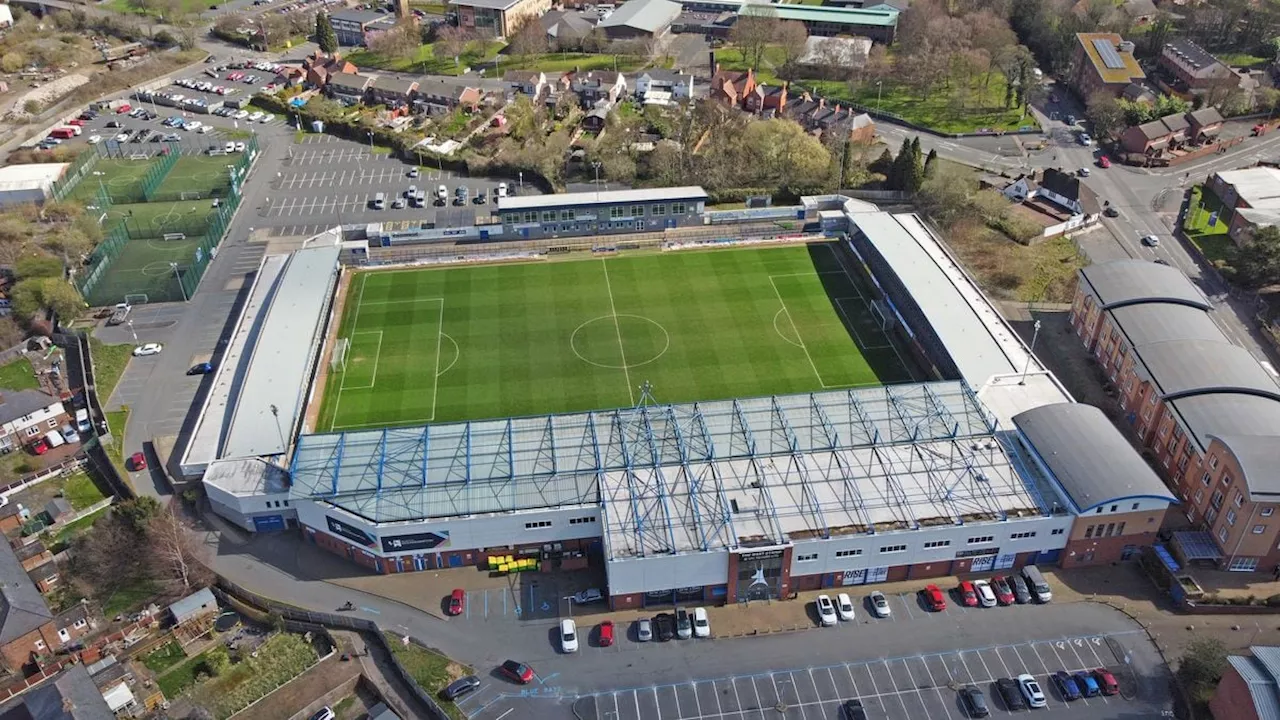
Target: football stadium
700 405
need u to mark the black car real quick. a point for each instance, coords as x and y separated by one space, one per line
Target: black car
664 625
460 687
853 710
113 124
1011 693
975 703
1020 589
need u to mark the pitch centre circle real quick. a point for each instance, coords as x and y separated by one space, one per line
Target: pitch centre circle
620 342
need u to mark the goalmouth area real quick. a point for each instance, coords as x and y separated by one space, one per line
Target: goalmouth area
436 344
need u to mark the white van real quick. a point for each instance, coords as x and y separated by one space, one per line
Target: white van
82 421
379 201
1039 587
54 439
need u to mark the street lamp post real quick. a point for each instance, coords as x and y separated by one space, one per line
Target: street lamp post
178 277
129 324
275 412
596 166
879 88
1035 333
520 175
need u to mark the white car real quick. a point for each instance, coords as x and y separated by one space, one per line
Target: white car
880 604
95 139
701 626
122 137
844 606
255 116
1031 691
502 190
239 147
1151 241
266 118
194 125
229 147
205 129
986 596
826 611
568 636
241 114
148 349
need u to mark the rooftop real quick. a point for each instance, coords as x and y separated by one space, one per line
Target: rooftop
490 4
30 175
608 197
1258 456
386 83
268 405
1157 321
16 404
22 607
248 477
1254 185
1113 66
1182 368
887 17
1189 53
362 17
201 600
1092 462
70 695
1260 673
1129 282
647 15
349 80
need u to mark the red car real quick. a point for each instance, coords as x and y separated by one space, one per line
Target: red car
124 109
1106 681
1004 593
75 121
934 599
517 671
138 461
606 633
457 602
40 447
968 595
1104 162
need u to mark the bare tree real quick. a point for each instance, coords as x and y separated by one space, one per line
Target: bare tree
451 41
529 41
399 42
178 550
791 36
105 558
753 32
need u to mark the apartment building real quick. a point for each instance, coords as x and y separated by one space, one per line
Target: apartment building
1204 408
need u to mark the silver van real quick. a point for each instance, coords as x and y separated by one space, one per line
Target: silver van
379 201
1039 587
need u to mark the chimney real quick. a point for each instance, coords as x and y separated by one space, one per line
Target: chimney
715 67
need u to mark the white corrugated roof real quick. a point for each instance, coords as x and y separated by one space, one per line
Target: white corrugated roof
1254 184
607 197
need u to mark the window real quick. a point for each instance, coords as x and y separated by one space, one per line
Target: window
33 431
616 212
268 503
932 544
1057 531
1226 480
658 210
893 549
1216 500
548 216
537 524
981 539
566 215
848 553
1199 496
79 623
1088 532
1213 461
1099 511
39 644
677 208
1120 529
1135 506
1164 430
1210 515
637 211
1182 462
1222 534
1023 535
1231 517
1205 480
1267 512
1259 529
807 558
1151 398
286 503
1244 564
582 520
1110 528
1113 508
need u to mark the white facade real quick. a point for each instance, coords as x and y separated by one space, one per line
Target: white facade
667 572
241 508
27 428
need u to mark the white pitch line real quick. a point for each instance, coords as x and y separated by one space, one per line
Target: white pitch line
435 391
795 328
618 327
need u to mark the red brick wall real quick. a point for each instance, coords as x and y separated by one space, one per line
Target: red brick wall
801 583
928 570
630 601
17 652
1232 700
898 574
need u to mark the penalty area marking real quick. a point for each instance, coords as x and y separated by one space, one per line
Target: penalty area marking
853 326
457 353
779 330
377 355
796 330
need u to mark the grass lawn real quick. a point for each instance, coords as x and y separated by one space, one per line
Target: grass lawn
119 177
1212 241
71 529
730 58
1242 60
935 110
432 671
281 658
186 7
18 375
429 7
433 345
109 362
425 60
81 491
129 598
1043 272
564 62
164 657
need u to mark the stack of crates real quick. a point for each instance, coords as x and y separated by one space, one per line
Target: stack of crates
508 564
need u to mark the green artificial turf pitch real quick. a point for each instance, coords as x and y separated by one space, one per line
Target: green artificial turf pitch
464 343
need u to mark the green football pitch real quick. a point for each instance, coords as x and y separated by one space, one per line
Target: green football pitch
465 343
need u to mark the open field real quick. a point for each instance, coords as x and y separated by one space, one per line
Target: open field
936 111
434 345
17 374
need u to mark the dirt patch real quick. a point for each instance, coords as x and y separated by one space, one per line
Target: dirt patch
1043 272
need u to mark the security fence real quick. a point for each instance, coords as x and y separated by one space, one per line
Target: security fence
156 174
80 167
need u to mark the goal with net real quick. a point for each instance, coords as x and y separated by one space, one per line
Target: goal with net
169 237
338 362
139 156
884 318
194 195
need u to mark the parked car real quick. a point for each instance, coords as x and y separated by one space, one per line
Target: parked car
934 599
701 625
986 596
968 594
203 368
664 624
568 636
1003 592
1066 685
844 606
1085 139
1087 684
1104 162
457 602
1021 592
1107 681
590 595
1031 691
879 604
853 710
606 633
324 713
517 671
684 624
826 610
975 703
138 461
644 630
1011 694
460 687
1083 172
413 172
39 447
148 349
69 434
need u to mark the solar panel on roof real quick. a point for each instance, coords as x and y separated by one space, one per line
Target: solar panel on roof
1108 53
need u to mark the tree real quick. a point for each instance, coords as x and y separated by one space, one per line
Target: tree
929 161
326 38
400 42
1201 666
946 196
178 551
1104 114
529 41
753 32
61 297
883 164
451 41
899 175
137 513
104 559
38 266
10 333
791 37
1257 262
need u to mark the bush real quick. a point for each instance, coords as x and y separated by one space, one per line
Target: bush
1273 601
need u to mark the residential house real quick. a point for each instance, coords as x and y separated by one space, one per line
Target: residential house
1139 12
1250 686
45 576
640 19
1140 92
596 85
1206 123
26 624
660 87
1066 190
320 66
198 604
766 99
10 517
731 87
1188 68
1022 187
1252 199
439 97
524 82
831 56
1103 62
596 118
26 415
69 695
496 18
565 28
1155 137
348 88
391 91
817 117
862 129
351 26
32 554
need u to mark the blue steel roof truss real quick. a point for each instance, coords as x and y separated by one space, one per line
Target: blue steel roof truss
796 463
